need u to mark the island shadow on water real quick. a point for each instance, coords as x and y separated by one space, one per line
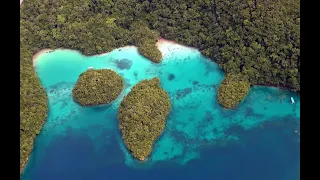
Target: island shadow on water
202 140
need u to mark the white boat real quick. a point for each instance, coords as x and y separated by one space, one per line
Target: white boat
90 67
292 100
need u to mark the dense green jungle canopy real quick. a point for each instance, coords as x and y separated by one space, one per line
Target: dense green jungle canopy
95 87
142 116
232 90
259 39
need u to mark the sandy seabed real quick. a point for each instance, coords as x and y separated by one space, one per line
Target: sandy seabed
43 51
35 57
165 46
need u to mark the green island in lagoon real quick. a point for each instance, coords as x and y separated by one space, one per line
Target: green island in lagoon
95 87
253 42
142 116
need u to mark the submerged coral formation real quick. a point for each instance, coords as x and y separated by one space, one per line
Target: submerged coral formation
142 116
232 90
123 63
96 87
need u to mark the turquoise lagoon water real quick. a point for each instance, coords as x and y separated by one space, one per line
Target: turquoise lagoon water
202 140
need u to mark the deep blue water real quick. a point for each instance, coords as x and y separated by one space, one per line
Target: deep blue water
202 140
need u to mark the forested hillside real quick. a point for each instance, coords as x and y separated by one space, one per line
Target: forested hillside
259 39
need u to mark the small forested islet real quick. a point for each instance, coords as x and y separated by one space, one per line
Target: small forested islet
95 87
142 116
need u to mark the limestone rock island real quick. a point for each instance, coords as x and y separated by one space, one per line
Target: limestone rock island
96 87
142 116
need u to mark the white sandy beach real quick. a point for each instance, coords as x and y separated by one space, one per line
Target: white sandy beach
43 51
167 46
35 57
126 47
119 49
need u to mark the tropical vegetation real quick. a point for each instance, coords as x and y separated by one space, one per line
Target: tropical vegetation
95 87
232 90
259 39
142 116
